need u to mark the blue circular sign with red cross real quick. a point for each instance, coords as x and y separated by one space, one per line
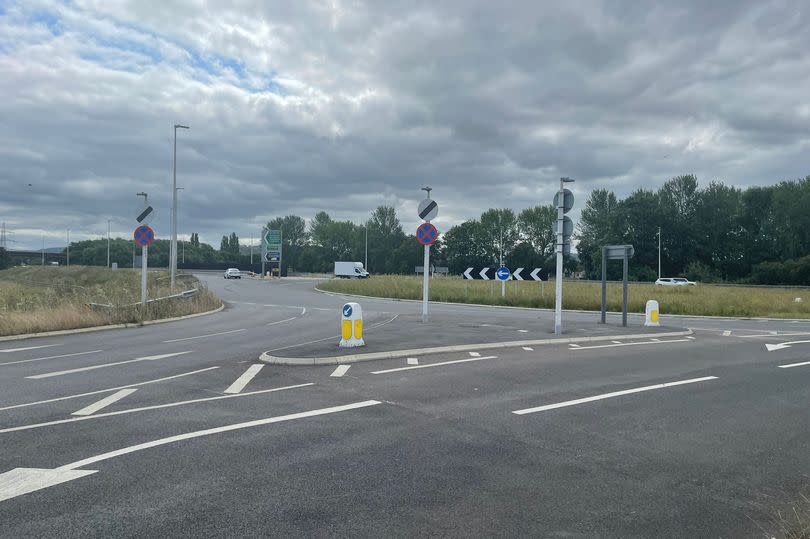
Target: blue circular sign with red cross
144 236
427 234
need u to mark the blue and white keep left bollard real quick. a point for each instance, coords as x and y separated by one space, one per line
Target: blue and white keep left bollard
351 326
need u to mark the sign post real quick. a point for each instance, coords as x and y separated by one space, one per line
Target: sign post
615 252
427 235
144 236
503 274
564 200
272 244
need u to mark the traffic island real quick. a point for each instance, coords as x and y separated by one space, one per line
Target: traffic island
406 335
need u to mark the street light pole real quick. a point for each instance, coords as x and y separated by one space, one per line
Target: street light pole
560 248
43 249
366 264
108 243
173 247
659 252
68 248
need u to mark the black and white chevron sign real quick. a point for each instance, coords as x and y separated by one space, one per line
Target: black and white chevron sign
520 274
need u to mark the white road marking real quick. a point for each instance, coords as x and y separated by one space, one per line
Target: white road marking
523 330
98 392
21 481
208 335
625 344
791 365
690 338
655 340
282 321
245 379
10 350
528 348
611 395
774 332
324 309
413 361
50 357
106 401
147 408
303 311
616 342
727 333
340 371
103 365
574 345
772 336
434 364
474 354
383 323
782 345
331 337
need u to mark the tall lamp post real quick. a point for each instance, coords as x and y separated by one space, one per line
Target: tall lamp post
659 252
108 243
173 247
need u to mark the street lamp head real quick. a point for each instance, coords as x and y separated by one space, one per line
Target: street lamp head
176 126
566 180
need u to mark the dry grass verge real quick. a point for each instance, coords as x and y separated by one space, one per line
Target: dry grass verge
37 299
690 300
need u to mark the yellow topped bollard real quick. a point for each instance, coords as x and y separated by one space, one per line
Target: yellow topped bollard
351 326
651 314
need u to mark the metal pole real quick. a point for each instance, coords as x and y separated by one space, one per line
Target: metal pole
604 284
173 246
263 250
425 266
366 263
659 252
144 251
624 290
43 249
503 283
559 249
68 247
183 243
280 250
108 243
251 252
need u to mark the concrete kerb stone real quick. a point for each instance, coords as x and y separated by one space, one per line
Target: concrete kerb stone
105 328
266 357
583 311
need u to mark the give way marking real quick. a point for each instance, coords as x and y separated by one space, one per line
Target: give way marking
21 481
93 367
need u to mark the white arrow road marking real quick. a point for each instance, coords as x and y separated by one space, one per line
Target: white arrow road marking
10 350
782 345
517 274
534 273
340 371
106 401
483 274
21 481
147 408
467 274
103 365
433 365
98 392
208 335
245 379
790 366
611 395
50 357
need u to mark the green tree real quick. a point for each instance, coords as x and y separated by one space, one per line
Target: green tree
464 246
499 232
5 259
536 227
385 235
596 228
294 237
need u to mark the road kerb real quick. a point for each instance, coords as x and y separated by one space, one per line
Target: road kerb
105 328
392 354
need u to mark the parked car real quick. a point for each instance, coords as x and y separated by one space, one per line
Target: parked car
233 273
674 281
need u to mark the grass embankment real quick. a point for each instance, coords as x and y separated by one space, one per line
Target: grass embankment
37 299
694 300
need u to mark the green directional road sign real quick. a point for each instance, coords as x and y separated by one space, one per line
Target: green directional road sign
272 240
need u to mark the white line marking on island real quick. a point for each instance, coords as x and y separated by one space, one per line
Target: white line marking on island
245 379
106 401
434 364
340 371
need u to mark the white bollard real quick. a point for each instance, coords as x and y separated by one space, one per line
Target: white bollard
351 326
651 314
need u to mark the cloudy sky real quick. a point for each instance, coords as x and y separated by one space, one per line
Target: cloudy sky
297 107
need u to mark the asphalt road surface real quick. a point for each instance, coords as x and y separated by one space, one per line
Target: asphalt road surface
177 429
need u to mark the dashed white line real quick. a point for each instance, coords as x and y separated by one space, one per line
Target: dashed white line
434 364
282 321
106 401
616 342
413 361
791 365
611 395
475 354
146 408
50 357
10 350
240 383
574 347
340 371
523 330
208 335
103 365
727 333
98 392
528 348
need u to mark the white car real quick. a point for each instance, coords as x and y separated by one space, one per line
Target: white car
233 273
674 281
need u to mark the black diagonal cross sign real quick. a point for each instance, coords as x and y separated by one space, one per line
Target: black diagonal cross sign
428 209
143 215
